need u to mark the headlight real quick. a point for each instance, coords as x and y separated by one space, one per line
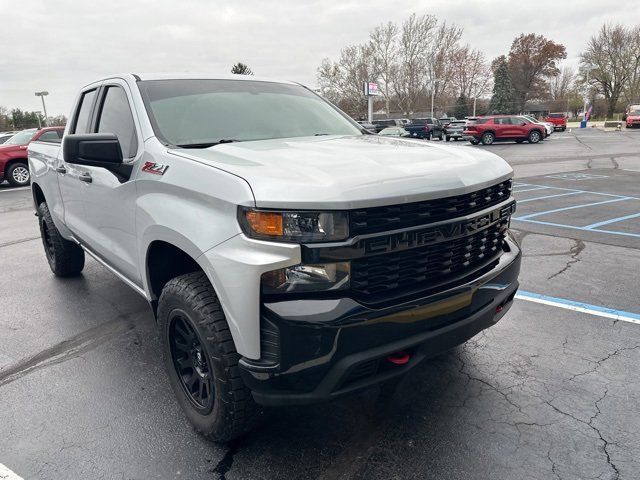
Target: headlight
290 226
307 278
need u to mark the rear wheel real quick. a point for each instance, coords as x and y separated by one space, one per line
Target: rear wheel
66 259
474 142
441 137
488 138
18 174
563 129
448 138
534 136
201 359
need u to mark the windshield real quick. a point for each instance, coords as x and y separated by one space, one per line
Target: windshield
202 113
556 115
21 138
634 112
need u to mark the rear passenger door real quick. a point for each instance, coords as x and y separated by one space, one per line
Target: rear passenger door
71 187
109 198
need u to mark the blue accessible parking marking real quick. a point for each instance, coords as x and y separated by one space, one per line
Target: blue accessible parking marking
548 192
576 176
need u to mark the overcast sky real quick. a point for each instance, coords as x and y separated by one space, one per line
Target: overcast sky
63 44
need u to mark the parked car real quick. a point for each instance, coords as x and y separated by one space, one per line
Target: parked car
558 120
368 126
13 153
633 117
425 128
383 123
446 120
394 132
280 272
503 128
548 127
455 130
630 108
4 136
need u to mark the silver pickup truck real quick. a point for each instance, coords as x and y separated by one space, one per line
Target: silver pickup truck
288 255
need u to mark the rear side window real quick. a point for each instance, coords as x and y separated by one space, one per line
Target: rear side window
83 117
116 118
52 136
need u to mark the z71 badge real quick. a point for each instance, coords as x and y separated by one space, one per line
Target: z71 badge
155 168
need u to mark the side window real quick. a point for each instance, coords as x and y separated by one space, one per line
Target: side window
50 136
116 118
83 117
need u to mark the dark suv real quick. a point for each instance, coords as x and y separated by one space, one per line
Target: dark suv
426 128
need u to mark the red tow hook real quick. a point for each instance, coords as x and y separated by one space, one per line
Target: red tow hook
399 358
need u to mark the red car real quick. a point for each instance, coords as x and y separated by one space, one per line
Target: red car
504 128
633 117
13 153
559 121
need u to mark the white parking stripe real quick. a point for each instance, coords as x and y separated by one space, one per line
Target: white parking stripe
7 474
13 190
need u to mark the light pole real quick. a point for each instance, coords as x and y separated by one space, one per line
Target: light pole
586 68
38 113
42 95
433 93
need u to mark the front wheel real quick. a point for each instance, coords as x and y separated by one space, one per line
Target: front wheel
201 359
534 136
488 138
66 259
474 142
441 137
18 174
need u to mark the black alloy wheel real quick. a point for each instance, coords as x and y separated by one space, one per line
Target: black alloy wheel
191 362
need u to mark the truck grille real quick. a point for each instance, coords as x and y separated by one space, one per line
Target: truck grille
380 219
426 268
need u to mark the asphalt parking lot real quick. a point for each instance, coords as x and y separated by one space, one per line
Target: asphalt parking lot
551 391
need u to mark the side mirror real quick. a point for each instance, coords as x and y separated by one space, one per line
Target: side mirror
93 149
522 124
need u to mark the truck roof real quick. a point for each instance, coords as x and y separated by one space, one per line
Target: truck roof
190 76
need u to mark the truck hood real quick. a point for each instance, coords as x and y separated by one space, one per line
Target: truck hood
343 172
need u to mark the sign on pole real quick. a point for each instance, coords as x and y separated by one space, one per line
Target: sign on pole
370 89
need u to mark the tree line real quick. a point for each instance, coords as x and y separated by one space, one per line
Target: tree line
17 119
424 58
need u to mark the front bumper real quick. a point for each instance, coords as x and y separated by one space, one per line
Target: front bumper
318 350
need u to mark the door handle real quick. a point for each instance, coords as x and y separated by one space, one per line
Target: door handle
85 177
61 170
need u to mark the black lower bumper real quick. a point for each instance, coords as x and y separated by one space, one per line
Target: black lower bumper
324 349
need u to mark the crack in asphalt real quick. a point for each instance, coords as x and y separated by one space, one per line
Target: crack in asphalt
605 443
22 240
616 166
598 363
575 251
67 349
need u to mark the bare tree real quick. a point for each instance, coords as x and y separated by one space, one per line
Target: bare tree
471 75
608 57
341 82
632 85
443 44
413 57
384 46
560 84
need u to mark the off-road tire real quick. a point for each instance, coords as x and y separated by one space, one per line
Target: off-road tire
488 138
234 411
535 136
18 174
66 259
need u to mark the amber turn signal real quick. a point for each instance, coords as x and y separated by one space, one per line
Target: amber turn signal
265 223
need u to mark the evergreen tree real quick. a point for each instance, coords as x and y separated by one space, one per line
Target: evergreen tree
241 69
462 106
502 100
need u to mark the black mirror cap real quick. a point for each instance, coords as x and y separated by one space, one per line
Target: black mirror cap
92 149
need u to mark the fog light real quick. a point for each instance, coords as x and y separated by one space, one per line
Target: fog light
307 278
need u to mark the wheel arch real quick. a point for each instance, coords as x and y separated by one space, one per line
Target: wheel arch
14 161
38 195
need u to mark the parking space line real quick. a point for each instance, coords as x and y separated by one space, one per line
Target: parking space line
613 220
584 191
529 189
564 209
14 190
548 196
596 310
7 474
584 229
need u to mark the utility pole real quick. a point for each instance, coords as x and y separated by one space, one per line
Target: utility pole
474 105
433 93
42 95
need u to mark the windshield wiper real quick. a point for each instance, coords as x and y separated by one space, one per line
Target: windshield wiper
207 144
